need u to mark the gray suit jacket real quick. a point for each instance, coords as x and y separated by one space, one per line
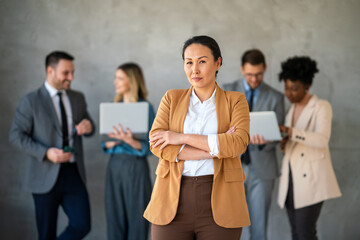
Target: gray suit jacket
264 161
36 128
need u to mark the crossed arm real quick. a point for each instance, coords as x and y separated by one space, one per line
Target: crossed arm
166 142
196 146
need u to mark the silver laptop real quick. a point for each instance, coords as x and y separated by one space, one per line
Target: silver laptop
134 116
265 123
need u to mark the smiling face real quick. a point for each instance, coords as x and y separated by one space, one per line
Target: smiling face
295 91
253 74
121 82
61 76
200 67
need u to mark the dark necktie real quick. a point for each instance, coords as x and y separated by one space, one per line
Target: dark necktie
245 158
63 122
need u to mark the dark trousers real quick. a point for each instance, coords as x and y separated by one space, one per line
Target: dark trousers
127 193
70 193
194 219
302 220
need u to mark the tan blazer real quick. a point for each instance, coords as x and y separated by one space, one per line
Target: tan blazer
308 154
228 196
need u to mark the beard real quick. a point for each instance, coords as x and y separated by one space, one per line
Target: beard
66 84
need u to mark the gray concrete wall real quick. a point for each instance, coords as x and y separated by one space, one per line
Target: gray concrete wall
103 34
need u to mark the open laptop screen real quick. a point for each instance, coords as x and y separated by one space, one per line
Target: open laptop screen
134 116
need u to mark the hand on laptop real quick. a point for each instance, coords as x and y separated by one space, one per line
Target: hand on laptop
120 134
125 136
257 139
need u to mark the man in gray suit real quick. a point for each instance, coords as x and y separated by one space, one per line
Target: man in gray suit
48 126
259 161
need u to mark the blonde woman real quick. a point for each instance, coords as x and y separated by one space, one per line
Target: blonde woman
128 185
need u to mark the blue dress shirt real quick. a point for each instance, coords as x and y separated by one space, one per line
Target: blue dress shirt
247 92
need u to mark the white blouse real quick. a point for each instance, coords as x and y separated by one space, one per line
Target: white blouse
201 119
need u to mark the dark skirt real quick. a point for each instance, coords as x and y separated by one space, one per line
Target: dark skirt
127 193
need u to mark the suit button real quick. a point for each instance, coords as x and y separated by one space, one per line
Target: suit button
304 174
302 154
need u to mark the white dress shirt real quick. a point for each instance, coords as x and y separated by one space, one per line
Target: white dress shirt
201 119
55 99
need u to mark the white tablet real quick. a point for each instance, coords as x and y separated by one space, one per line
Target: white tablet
265 123
134 116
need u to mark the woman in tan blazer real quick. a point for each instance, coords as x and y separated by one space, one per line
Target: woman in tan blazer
198 135
307 177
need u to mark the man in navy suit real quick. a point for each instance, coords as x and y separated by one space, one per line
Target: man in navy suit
259 161
48 126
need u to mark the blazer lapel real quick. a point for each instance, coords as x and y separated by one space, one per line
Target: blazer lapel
223 120
177 119
222 110
303 120
49 108
181 110
289 116
288 121
306 114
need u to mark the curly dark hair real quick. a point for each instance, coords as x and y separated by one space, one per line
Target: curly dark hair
298 68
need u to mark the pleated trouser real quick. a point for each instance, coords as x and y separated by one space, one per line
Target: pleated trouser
127 193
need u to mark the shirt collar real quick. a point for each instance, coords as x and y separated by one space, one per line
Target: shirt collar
53 91
247 87
194 99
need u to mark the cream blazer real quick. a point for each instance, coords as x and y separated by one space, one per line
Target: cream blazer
228 200
308 154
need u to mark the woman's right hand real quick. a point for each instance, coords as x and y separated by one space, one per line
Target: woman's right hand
283 143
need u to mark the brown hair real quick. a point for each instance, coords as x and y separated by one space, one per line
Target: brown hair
254 57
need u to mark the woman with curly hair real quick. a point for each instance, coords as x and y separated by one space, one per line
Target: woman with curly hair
308 177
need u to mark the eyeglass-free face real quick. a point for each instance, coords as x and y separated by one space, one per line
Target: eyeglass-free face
200 67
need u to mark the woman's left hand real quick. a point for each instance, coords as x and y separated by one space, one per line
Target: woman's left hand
283 129
120 134
257 139
166 138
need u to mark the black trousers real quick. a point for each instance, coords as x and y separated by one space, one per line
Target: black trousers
302 220
70 193
127 193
